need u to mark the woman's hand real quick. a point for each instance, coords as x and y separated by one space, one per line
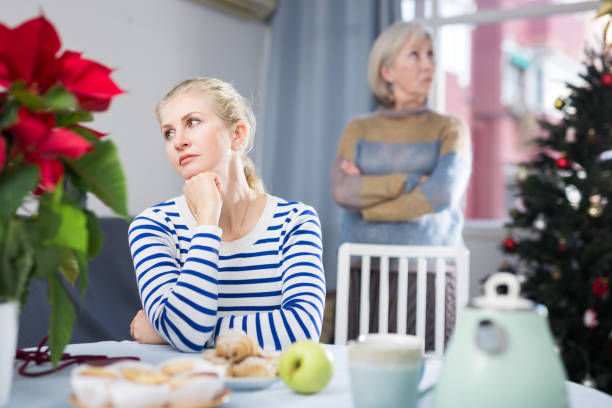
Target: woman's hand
203 194
350 168
423 178
143 332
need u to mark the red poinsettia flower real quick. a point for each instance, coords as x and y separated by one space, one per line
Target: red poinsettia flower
43 144
28 53
88 80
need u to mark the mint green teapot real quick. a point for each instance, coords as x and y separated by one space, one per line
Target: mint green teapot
501 354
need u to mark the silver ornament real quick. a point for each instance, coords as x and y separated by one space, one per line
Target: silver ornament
573 196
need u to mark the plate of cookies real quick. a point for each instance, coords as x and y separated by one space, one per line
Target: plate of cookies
247 366
184 382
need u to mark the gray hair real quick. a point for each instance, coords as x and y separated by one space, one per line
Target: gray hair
383 53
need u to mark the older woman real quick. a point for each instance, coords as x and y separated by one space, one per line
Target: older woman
402 171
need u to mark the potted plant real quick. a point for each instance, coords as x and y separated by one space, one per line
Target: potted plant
49 157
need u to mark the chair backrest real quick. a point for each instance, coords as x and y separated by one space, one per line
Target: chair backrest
406 255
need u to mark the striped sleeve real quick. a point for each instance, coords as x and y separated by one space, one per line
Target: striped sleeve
300 313
180 301
443 189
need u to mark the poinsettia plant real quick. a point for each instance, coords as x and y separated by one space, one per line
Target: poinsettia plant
49 157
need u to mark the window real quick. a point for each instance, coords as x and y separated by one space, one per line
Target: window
500 67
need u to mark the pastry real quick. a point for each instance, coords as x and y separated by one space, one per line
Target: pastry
129 394
194 388
175 367
211 356
142 375
91 384
235 345
253 367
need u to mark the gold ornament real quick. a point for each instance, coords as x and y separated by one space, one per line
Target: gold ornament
591 132
594 211
559 103
522 173
555 273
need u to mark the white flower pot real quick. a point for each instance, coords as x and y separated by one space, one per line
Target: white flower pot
8 342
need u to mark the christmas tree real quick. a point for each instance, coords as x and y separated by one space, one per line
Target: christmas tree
561 230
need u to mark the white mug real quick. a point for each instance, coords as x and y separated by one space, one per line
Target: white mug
385 370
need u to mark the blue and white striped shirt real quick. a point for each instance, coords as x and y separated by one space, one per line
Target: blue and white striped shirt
193 286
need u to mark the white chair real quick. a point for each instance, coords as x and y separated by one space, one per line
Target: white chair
405 254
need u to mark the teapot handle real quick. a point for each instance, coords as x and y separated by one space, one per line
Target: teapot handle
503 279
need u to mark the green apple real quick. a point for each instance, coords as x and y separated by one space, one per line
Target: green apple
306 367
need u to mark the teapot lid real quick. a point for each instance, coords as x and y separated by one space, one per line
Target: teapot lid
509 301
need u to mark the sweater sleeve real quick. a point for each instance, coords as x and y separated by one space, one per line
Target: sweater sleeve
444 188
180 301
357 192
300 313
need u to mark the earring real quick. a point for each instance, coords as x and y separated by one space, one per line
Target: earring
235 147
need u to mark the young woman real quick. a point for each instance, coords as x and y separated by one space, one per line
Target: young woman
224 254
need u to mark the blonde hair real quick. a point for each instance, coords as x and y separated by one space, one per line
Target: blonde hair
383 53
231 108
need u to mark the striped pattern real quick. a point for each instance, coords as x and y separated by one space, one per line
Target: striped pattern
194 287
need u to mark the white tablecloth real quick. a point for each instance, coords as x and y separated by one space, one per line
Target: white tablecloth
53 390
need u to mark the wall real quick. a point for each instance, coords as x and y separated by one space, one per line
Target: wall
153 44
483 239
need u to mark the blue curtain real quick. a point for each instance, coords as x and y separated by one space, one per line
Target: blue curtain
316 83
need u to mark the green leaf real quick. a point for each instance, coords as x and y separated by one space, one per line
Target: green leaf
49 219
47 260
8 115
15 184
62 318
67 119
83 273
16 260
96 238
28 99
69 266
72 231
101 172
90 136
59 97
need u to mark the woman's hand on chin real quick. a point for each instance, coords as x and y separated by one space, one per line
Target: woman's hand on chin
203 194
142 330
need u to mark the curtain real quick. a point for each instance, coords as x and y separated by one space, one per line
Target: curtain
316 83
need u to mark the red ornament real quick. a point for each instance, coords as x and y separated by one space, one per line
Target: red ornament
562 244
600 286
606 79
590 319
510 243
563 163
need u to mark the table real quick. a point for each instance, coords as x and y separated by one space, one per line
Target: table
53 390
